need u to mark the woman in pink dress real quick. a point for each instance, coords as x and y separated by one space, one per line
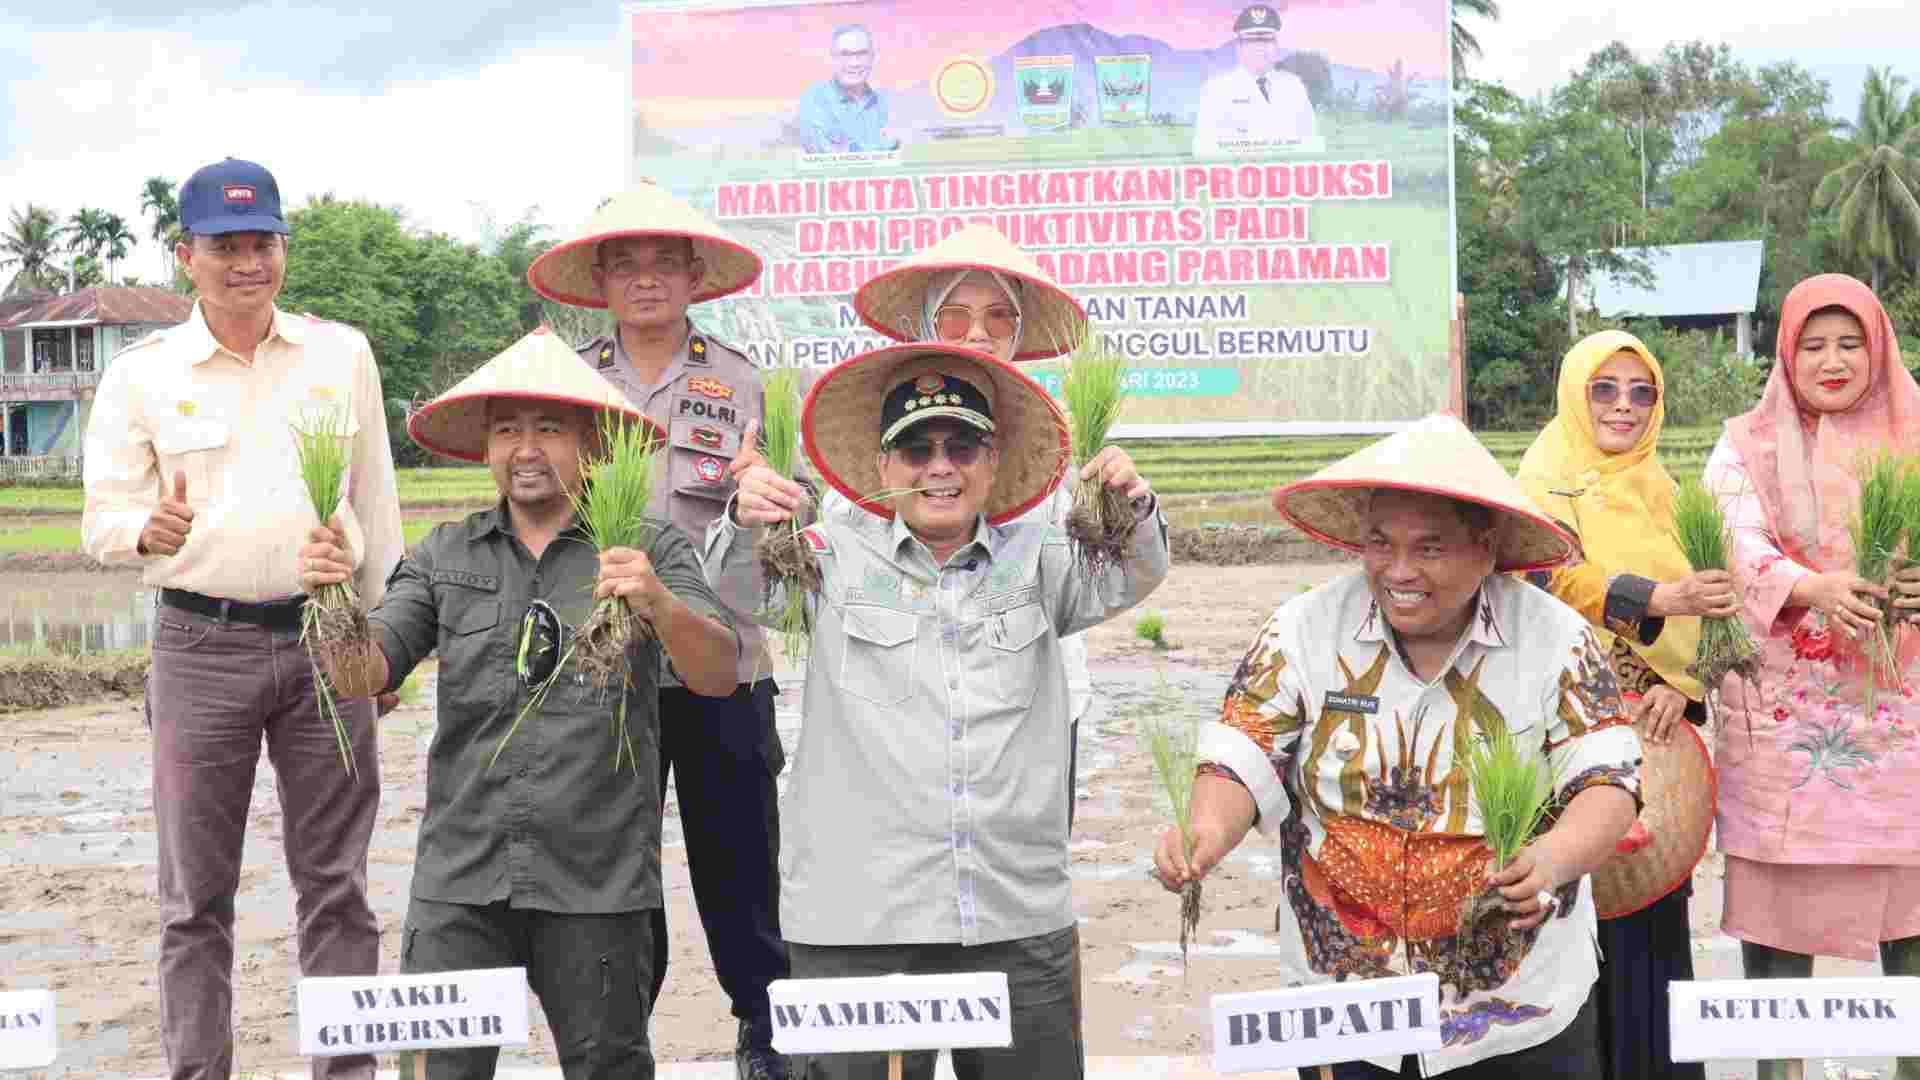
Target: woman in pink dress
1819 812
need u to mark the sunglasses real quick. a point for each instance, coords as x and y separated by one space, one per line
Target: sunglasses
953 322
962 451
1639 395
539 649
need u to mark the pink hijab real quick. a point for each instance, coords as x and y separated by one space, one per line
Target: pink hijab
1801 462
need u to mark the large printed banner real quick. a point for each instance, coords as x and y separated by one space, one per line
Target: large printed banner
1260 221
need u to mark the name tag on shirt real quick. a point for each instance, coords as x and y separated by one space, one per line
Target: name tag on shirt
1360 703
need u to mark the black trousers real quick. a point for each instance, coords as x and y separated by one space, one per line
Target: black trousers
1574 1054
1043 981
724 755
591 973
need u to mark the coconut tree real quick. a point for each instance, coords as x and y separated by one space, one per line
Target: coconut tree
115 240
27 247
1875 197
1465 45
157 198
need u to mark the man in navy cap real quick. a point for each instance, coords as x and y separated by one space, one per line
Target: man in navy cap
191 474
1254 106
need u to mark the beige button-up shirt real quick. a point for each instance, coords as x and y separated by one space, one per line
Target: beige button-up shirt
177 401
929 793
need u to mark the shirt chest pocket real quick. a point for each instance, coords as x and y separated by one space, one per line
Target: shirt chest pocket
881 652
196 446
1017 649
468 625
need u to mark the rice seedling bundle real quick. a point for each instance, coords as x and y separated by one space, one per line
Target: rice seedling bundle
332 626
1175 747
1101 521
1879 528
1512 788
1725 645
785 557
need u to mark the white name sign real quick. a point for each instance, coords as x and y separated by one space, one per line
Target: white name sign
377 1013
891 1012
1319 1025
1794 1018
26 1029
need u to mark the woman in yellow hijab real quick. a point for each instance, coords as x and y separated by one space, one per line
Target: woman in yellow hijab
1596 469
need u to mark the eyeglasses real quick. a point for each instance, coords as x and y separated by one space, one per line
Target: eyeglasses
954 322
1639 395
539 650
962 451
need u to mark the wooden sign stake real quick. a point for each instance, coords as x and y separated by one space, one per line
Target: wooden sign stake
895 1066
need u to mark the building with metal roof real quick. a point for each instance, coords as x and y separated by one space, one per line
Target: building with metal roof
1695 284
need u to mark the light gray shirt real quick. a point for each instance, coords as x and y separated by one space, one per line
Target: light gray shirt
928 800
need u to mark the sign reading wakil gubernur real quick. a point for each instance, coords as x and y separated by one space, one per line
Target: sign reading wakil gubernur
1261 224
1775 1018
891 1012
1318 1025
355 1015
27 1039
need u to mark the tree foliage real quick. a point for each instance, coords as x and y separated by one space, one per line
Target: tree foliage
32 239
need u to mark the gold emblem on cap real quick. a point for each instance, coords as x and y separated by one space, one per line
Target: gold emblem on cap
186 408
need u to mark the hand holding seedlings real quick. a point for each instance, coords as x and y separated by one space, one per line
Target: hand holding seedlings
167 528
325 560
1707 593
628 574
1906 589
1214 838
1530 876
1845 598
764 496
1112 468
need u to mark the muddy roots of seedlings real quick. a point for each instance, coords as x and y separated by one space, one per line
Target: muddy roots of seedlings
1100 525
785 559
335 633
1189 917
600 648
1727 649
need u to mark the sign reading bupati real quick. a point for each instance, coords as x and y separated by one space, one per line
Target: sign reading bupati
1794 1018
378 1013
1261 224
27 1039
1317 1025
891 1012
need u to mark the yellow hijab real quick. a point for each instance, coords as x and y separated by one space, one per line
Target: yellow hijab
1619 505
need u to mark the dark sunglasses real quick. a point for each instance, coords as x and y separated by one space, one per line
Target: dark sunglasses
962 451
952 323
538 652
1639 395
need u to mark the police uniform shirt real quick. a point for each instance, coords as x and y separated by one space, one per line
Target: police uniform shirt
1233 109
704 400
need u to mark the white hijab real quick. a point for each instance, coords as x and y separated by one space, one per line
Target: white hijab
943 284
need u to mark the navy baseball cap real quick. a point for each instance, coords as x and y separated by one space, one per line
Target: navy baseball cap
231 196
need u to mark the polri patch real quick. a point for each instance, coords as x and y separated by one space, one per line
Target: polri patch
710 469
1355 703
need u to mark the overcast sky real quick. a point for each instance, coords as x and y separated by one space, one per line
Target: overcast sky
458 110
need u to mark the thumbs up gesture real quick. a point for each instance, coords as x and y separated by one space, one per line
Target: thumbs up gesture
166 531
764 496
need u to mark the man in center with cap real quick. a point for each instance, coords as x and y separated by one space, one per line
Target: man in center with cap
537 851
645 256
1345 737
1254 105
928 808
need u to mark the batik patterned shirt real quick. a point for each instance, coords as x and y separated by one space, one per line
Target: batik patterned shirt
1357 767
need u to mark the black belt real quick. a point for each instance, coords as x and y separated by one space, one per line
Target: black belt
273 614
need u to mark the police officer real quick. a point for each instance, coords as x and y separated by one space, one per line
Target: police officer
645 256
1254 105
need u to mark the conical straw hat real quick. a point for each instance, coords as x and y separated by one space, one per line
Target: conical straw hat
565 273
539 366
840 424
894 303
1677 791
1438 456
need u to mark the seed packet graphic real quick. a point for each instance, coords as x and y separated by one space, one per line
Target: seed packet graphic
1046 91
1124 82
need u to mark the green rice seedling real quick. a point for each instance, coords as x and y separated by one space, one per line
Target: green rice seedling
1101 522
616 486
788 566
332 626
1512 788
1725 645
1879 528
1175 747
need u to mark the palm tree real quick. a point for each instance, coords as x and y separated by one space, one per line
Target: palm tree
28 246
157 198
1465 45
1873 196
116 239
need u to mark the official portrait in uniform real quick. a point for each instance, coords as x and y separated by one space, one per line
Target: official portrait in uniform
1254 104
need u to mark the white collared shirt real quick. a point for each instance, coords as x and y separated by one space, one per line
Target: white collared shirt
1234 114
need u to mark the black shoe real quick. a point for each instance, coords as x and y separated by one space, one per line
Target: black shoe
754 1057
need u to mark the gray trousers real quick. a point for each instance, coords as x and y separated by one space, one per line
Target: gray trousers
592 974
215 692
1043 981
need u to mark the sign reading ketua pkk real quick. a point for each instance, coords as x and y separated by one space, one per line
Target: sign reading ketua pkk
1318 1025
1794 1018
376 1013
890 1012
26 1029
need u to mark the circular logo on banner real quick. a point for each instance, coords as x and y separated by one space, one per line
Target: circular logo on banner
710 469
963 87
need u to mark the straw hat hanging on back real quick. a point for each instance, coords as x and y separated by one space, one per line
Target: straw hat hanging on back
1437 456
539 366
895 303
564 273
841 424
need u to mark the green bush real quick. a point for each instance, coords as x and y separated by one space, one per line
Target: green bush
1151 628
1706 382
